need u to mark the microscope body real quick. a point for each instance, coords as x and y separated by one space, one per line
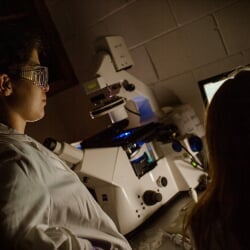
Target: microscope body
127 198
128 171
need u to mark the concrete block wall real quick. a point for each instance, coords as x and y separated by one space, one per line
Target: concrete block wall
174 44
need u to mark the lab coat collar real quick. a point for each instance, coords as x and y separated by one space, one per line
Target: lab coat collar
9 134
4 129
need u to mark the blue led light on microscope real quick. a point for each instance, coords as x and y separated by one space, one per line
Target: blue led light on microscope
123 135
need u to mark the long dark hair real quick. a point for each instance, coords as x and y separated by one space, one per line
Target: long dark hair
216 221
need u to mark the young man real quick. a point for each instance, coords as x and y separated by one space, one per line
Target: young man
43 204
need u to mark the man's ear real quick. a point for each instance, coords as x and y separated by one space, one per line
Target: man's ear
5 85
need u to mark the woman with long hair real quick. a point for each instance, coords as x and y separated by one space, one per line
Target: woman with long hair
219 219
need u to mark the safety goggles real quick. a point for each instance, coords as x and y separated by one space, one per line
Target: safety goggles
38 75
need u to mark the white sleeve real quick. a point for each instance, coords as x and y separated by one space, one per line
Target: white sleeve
53 238
29 194
24 212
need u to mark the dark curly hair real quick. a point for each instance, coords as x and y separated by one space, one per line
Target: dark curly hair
16 44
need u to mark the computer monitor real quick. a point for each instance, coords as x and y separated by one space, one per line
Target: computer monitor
209 86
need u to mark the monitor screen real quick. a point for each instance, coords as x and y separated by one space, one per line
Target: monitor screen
208 87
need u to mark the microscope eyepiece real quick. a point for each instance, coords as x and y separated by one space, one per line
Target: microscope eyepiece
50 143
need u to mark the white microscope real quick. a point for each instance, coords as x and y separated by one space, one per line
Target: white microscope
126 167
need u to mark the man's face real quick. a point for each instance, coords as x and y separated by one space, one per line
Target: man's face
28 100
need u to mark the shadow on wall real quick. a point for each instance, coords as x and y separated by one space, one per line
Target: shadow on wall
166 97
67 118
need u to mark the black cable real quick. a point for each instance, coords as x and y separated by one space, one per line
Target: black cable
133 112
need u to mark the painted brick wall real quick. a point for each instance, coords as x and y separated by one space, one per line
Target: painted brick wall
174 44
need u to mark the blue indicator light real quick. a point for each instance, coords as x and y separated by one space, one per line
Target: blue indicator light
123 135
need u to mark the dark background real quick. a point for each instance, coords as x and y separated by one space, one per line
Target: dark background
36 14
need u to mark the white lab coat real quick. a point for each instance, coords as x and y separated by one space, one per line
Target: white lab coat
43 203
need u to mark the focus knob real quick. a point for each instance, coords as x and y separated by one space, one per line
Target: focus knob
151 197
162 181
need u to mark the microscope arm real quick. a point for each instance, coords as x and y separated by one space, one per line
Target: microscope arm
131 87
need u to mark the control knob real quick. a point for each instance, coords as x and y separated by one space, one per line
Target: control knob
151 197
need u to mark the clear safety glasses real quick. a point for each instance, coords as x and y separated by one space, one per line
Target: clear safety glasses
37 74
